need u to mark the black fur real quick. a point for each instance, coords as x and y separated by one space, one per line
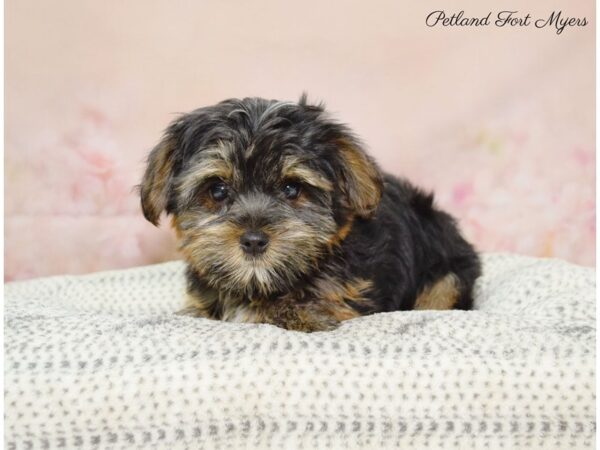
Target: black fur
398 241
409 244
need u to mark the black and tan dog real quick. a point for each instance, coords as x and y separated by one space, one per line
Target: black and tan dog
284 219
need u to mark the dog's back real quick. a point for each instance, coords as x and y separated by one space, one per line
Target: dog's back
412 252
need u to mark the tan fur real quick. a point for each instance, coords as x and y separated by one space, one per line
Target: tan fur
249 151
441 295
244 314
294 169
341 233
363 186
294 248
291 245
334 293
320 308
194 310
199 305
156 179
215 163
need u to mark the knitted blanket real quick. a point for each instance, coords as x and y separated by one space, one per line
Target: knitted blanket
101 361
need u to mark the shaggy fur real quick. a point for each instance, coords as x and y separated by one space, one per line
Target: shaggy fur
283 218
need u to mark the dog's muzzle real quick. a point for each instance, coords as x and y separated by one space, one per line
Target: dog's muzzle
254 242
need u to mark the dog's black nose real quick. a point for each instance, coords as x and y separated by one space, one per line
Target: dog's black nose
254 242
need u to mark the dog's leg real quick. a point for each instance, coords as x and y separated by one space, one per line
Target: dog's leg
200 305
443 294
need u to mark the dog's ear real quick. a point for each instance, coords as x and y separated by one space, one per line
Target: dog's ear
361 179
158 178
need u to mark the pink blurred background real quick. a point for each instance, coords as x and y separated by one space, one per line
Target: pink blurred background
499 122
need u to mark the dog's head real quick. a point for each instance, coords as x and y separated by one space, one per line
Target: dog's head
260 191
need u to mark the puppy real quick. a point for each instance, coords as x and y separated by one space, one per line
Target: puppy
284 219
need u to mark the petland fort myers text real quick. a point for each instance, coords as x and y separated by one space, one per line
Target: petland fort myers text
556 20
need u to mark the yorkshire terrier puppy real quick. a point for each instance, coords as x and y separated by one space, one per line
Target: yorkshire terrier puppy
284 219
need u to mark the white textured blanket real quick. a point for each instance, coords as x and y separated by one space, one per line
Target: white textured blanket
101 361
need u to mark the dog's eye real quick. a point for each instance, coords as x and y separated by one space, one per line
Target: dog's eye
219 191
291 190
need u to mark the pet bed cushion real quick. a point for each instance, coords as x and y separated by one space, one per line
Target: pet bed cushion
101 361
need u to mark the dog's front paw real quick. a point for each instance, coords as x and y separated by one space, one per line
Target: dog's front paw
309 324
